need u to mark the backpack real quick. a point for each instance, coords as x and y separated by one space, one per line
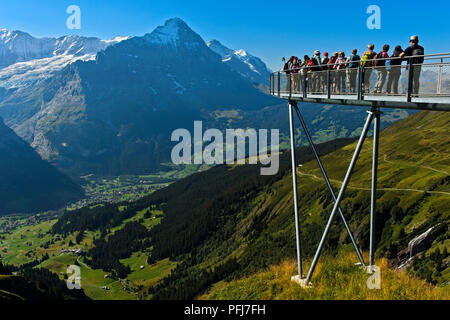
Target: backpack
286 68
332 61
318 63
315 64
368 55
381 55
354 57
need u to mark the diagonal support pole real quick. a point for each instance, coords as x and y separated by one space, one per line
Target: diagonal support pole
295 193
330 188
341 193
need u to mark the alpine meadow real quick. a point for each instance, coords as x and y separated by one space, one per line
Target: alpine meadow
154 162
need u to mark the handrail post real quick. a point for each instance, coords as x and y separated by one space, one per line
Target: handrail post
271 84
329 83
291 79
440 77
360 82
305 84
410 81
279 85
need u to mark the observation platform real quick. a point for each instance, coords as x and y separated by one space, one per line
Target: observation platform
325 86
424 86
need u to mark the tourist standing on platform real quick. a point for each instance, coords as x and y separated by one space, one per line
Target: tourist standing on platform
305 70
414 53
287 71
333 73
324 64
305 64
395 71
295 74
340 67
316 76
312 68
380 66
367 64
352 71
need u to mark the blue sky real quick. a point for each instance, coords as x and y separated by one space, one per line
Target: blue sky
268 29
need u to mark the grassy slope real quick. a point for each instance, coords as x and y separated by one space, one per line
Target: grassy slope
337 279
17 246
92 281
25 240
414 159
414 167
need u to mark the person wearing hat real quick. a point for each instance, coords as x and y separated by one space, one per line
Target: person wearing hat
368 65
352 71
381 69
414 54
340 67
316 75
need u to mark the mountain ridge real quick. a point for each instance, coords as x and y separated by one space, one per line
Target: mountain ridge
18 46
132 96
247 65
30 184
113 114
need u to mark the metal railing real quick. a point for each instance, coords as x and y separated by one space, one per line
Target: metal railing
428 79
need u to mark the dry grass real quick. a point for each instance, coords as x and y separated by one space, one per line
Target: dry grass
336 278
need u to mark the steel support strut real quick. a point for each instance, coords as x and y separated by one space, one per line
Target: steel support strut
327 181
376 139
294 183
341 193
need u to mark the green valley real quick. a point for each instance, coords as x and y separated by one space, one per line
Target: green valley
228 232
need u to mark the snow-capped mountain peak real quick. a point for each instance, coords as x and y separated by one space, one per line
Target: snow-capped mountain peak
241 61
116 40
241 53
220 49
25 59
174 32
18 46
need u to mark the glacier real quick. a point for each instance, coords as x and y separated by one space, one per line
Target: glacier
25 59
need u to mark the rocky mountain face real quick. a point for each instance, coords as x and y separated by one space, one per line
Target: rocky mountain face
28 183
115 114
250 67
